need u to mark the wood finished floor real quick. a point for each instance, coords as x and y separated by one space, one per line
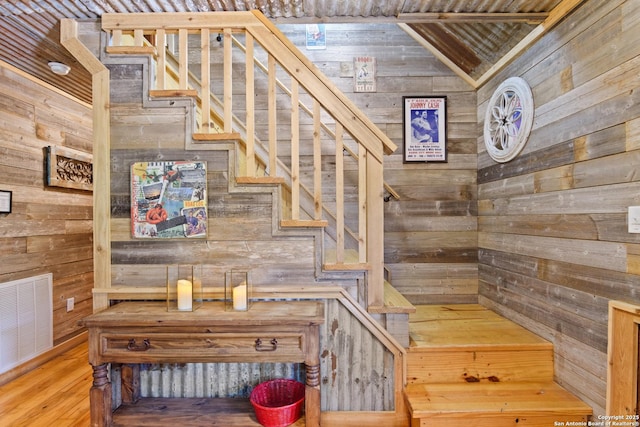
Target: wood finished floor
54 395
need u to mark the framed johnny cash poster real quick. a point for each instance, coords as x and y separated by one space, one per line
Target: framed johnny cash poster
424 127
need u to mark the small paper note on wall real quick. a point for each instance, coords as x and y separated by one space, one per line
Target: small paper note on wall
364 69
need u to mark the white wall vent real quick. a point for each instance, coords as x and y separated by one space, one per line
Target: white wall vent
26 319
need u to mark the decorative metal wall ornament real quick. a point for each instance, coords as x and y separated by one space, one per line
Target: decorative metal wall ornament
69 168
508 119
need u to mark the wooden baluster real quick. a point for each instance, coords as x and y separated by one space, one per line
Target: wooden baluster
250 117
317 162
339 194
228 83
116 38
372 230
295 152
161 63
183 43
138 38
205 80
362 203
273 114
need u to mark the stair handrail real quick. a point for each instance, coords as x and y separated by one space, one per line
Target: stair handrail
308 111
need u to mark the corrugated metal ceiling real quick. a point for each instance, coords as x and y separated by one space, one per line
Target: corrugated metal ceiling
471 36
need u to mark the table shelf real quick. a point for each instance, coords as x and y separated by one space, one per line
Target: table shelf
191 412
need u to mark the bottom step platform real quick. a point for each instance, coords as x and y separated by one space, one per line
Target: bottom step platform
494 405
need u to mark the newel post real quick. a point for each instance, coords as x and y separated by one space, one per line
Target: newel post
375 232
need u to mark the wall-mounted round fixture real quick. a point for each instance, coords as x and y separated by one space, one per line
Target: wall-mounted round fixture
508 119
59 68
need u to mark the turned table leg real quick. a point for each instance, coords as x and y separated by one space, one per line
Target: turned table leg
312 396
312 369
100 397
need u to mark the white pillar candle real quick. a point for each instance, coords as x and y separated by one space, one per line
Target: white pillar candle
185 295
240 297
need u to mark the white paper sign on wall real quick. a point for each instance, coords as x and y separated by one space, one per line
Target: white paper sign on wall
634 219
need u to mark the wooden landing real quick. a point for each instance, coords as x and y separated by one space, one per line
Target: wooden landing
463 326
466 365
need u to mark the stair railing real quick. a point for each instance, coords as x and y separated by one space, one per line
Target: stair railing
284 64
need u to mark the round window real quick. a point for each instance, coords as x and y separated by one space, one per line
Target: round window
508 119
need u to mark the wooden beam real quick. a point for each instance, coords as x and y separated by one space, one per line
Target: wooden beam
101 155
457 17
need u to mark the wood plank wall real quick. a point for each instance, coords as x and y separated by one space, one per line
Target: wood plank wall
240 223
554 247
49 228
430 233
240 235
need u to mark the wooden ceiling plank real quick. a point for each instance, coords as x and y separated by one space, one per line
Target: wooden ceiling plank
438 54
449 45
556 15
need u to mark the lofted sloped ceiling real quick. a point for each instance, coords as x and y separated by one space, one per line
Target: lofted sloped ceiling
474 38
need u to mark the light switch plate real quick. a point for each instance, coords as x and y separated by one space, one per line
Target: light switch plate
634 219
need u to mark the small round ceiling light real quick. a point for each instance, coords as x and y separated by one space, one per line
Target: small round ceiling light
59 68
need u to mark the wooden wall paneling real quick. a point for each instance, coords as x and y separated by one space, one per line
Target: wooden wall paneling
556 318
578 367
48 230
609 170
569 306
560 155
554 248
600 143
632 140
556 225
610 199
135 128
610 255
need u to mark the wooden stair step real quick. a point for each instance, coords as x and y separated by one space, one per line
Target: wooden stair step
489 404
467 326
260 180
215 136
170 93
303 223
132 50
350 261
468 342
394 302
479 364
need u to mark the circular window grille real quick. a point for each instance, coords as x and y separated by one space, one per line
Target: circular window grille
508 119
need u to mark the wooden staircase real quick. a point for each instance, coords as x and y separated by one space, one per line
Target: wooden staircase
468 366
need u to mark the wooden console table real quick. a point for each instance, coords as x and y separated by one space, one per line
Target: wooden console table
145 332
